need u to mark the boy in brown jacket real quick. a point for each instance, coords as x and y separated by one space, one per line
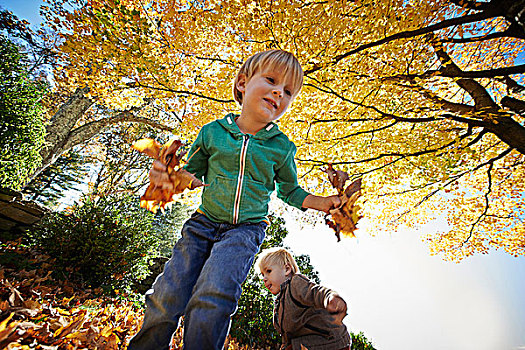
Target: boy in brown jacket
305 314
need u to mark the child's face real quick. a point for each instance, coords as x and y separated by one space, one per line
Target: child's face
266 96
274 275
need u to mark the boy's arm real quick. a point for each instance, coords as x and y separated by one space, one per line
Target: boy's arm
291 193
288 189
310 294
321 203
337 307
197 156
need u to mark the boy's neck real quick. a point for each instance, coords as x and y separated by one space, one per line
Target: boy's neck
247 126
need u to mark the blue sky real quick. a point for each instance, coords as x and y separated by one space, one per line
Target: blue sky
24 9
401 297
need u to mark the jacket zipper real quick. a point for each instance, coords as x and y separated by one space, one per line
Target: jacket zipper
242 165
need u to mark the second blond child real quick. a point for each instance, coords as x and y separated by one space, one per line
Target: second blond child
306 314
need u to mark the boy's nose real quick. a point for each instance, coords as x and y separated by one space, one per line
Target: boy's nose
278 92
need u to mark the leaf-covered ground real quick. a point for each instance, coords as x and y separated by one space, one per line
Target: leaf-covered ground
38 311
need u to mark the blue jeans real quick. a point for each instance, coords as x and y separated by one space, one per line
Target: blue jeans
202 281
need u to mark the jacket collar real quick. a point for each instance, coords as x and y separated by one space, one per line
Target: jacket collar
228 122
284 285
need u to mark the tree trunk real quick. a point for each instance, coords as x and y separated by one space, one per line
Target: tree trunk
61 134
60 126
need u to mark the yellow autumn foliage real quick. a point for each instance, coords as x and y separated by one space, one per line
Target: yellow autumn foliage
385 98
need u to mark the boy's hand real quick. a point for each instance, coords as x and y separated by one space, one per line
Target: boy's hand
322 203
337 307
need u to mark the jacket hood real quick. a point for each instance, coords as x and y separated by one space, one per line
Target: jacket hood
228 123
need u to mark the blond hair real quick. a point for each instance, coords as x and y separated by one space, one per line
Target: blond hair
278 60
276 256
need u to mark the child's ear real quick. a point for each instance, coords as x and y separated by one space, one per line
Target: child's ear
241 83
287 270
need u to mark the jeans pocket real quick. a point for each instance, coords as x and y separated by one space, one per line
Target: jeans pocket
261 232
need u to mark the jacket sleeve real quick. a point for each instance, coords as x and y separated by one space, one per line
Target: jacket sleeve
308 293
197 158
288 188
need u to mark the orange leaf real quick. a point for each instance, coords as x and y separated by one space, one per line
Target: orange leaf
148 146
3 324
73 325
179 179
345 216
336 177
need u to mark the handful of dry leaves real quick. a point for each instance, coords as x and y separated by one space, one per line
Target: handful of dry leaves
158 197
345 216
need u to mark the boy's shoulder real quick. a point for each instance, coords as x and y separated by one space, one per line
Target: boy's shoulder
299 280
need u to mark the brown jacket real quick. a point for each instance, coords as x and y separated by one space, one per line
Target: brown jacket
301 317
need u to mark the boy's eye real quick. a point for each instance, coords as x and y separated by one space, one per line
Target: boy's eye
270 79
288 92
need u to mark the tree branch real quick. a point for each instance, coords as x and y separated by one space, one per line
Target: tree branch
450 72
454 179
478 137
362 132
514 104
384 155
329 90
512 85
485 210
460 108
486 14
513 31
470 4
486 73
481 97
182 92
88 130
469 121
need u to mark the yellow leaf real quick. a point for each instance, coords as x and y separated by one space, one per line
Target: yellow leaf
3 324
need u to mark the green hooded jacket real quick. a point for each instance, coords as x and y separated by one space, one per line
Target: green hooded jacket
242 171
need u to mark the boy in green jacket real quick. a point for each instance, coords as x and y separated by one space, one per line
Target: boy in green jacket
306 314
243 159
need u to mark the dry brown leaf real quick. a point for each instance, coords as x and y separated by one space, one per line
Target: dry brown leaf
148 146
15 299
4 305
337 178
68 320
344 217
73 325
156 197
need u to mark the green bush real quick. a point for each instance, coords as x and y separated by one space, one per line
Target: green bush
101 242
359 342
22 128
167 226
